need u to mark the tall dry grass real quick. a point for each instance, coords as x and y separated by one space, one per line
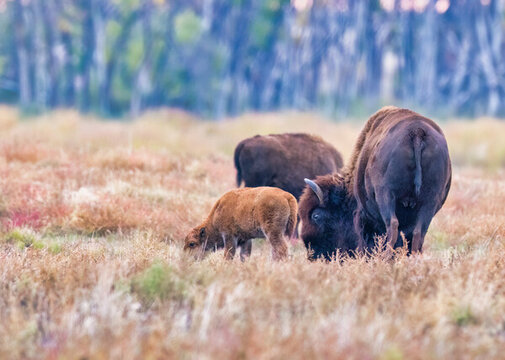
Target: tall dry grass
92 215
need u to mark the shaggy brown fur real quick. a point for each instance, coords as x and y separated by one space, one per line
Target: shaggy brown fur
284 160
397 180
241 215
327 226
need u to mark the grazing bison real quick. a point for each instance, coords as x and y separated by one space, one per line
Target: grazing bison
241 215
326 211
397 180
284 160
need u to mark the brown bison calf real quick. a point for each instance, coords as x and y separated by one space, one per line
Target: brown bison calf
241 215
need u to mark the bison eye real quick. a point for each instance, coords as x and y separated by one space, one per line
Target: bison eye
192 245
316 216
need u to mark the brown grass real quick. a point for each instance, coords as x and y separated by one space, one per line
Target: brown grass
92 218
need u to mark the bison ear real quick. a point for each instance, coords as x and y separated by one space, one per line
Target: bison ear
202 233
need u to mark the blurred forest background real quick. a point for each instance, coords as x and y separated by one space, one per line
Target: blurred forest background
223 57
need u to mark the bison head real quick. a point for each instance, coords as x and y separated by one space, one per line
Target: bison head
326 210
201 240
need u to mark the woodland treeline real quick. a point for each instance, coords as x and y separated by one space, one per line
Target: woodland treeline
223 57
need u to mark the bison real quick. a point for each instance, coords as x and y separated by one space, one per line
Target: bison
241 215
326 211
284 160
398 178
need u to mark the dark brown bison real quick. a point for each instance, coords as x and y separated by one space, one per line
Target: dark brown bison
397 180
241 215
327 224
284 160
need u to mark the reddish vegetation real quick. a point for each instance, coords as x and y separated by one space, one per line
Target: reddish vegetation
71 289
18 150
19 218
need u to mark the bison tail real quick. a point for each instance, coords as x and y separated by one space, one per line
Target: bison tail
417 137
236 158
293 216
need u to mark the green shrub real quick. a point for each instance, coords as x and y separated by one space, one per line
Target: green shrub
463 316
39 245
21 238
158 282
54 248
439 240
392 353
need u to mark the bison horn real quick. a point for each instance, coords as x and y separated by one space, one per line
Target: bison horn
317 190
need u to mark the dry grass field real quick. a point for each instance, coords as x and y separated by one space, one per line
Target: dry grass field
92 218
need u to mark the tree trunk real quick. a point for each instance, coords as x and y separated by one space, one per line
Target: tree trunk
20 30
117 48
142 84
85 63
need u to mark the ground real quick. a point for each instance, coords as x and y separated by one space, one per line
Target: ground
93 215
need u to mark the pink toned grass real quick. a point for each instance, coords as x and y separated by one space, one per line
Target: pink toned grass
106 206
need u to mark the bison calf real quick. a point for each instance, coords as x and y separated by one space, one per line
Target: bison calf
241 215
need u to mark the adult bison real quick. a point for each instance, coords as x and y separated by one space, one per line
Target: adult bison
284 160
397 180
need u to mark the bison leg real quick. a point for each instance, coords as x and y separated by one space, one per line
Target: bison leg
230 246
274 220
420 230
358 228
416 239
279 246
296 234
245 249
387 209
392 233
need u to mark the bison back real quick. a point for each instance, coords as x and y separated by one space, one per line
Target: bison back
284 160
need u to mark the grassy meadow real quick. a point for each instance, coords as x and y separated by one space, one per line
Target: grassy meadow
92 219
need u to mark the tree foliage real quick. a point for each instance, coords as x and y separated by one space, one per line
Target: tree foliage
220 57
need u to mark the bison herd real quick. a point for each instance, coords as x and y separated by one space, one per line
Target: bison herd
397 179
